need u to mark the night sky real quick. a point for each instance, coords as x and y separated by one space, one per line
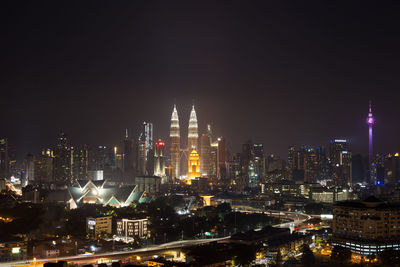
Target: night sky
276 72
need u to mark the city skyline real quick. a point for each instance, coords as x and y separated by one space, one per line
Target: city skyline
305 86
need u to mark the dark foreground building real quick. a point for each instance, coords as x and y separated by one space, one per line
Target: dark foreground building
366 227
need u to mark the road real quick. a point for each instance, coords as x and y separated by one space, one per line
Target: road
296 219
165 246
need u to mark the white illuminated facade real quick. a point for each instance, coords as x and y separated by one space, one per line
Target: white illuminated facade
175 141
127 228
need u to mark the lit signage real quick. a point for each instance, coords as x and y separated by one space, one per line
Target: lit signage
15 250
92 222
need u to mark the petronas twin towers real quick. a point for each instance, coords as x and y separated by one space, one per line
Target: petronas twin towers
175 141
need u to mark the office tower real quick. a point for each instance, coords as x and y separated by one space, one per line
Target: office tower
129 158
101 158
146 136
159 158
259 160
341 161
30 169
81 163
4 159
335 147
141 157
62 170
392 167
323 164
205 155
150 162
175 142
252 163
291 157
193 135
43 167
221 158
194 165
214 159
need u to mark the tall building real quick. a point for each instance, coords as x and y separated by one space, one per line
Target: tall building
4 160
175 143
129 158
252 163
43 167
146 135
141 158
370 122
159 159
193 135
221 158
81 163
194 165
63 159
341 161
205 155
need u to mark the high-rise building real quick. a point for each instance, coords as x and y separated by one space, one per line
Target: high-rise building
30 169
175 143
221 158
4 159
129 158
252 163
81 163
141 158
193 135
159 159
194 165
43 167
146 136
341 162
63 160
205 155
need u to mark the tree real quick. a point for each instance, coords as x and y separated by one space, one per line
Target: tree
244 255
341 254
307 258
389 257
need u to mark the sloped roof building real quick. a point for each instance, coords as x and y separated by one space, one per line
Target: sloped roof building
100 192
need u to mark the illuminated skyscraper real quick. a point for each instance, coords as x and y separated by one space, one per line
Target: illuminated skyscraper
341 161
159 159
205 155
194 165
175 142
193 135
146 136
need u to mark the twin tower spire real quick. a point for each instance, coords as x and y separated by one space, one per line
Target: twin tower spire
175 142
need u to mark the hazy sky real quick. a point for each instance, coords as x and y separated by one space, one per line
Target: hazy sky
276 72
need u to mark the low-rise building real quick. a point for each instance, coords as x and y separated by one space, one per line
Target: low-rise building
127 228
96 226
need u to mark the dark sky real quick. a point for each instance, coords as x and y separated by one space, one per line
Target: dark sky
278 73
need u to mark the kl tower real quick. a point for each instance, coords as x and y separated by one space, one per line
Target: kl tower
370 122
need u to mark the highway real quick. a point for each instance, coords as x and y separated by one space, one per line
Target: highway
119 254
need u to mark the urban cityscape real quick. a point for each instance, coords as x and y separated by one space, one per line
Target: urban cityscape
112 153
